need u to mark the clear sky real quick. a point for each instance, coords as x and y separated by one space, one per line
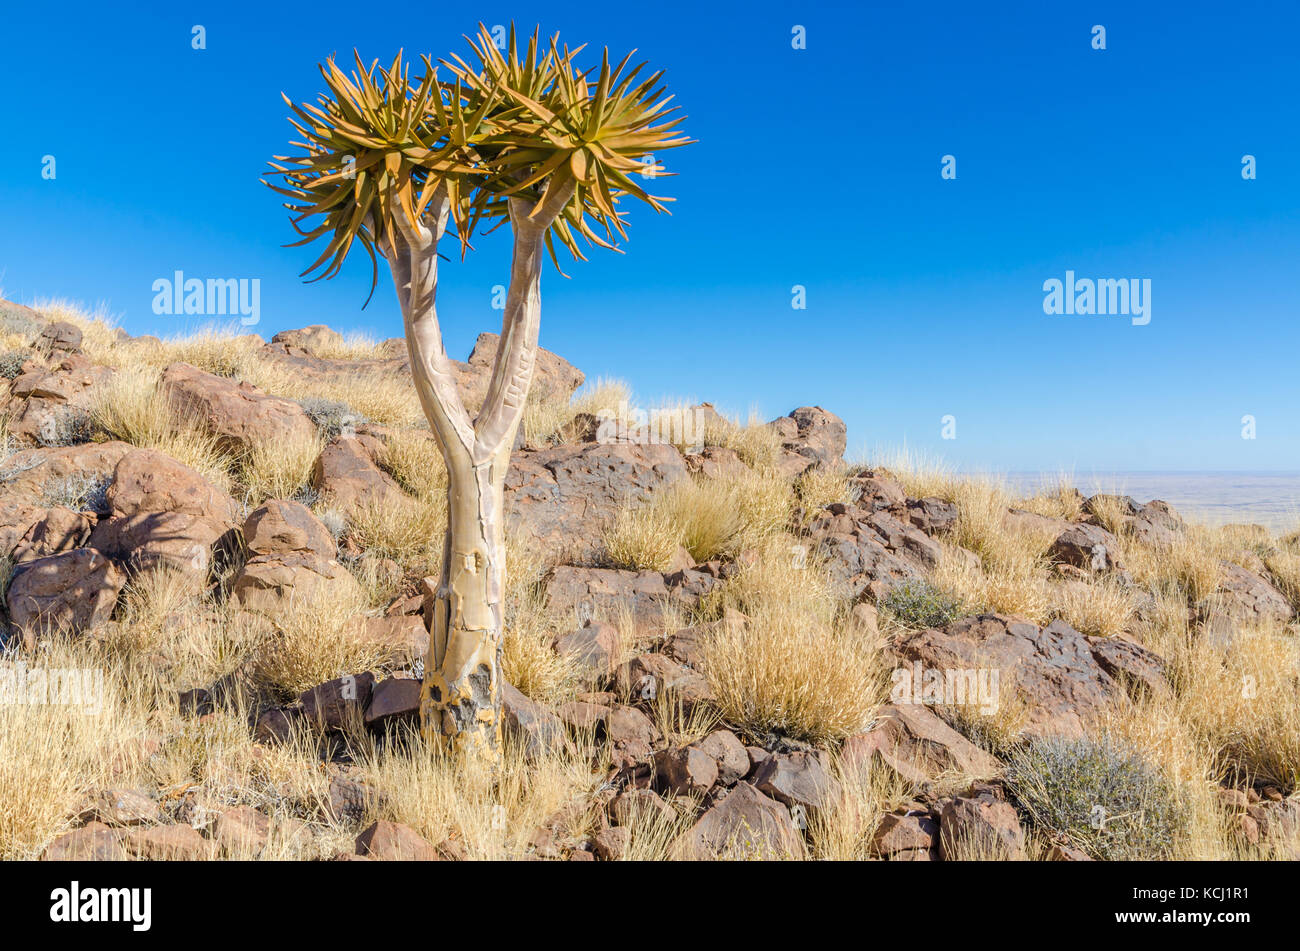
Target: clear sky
818 167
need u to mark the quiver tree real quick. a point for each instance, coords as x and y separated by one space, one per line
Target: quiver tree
519 137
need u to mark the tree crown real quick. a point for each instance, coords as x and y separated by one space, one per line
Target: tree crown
503 138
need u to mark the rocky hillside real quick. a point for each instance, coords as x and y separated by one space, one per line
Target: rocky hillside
736 644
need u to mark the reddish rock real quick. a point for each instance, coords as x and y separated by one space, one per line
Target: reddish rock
798 779
278 527
686 771
241 831
1051 671
239 415
168 843
594 647
94 842
394 842
563 498
73 591
980 826
529 723
1085 546
121 807
917 745
393 699
900 833
728 753
633 805
744 824
586 593
611 844
649 675
347 474
338 703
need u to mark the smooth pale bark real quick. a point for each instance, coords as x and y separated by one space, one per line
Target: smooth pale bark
461 697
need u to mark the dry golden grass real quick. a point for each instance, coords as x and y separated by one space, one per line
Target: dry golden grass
100 331
491 813
921 476
1283 567
313 641
52 755
279 468
868 792
1059 500
1102 608
1192 565
756 443
409 531
412 458
132 407
709 518
797 668
645 538
381 396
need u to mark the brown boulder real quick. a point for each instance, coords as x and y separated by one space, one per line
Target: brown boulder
918 746
563 499
239 415
347 474
95 842
798 779
529 723
73 590
980 826
744 824
164 514
394 842
1052 671
278 527
1085 546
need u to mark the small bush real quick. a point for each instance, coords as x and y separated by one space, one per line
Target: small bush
67 426
11 363
331 417
1098 796
78 491
919 604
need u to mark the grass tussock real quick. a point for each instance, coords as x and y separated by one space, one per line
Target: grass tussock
797 669
709 518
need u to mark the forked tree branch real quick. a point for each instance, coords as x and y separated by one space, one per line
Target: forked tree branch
512 370
415 272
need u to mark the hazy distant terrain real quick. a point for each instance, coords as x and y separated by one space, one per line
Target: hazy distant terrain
1271 499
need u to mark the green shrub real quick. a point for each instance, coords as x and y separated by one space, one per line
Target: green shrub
331 417
1098 796
79 492
919 604
11 363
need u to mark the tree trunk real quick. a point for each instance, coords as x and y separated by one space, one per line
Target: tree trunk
460 702
461 698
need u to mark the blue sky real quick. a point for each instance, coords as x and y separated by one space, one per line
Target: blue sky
817 167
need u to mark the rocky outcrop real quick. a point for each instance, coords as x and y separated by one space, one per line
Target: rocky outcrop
347 474
292 564
48 404
239 415
1053 672
918 746
871 552
563 500
163 514
810 436
73 591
